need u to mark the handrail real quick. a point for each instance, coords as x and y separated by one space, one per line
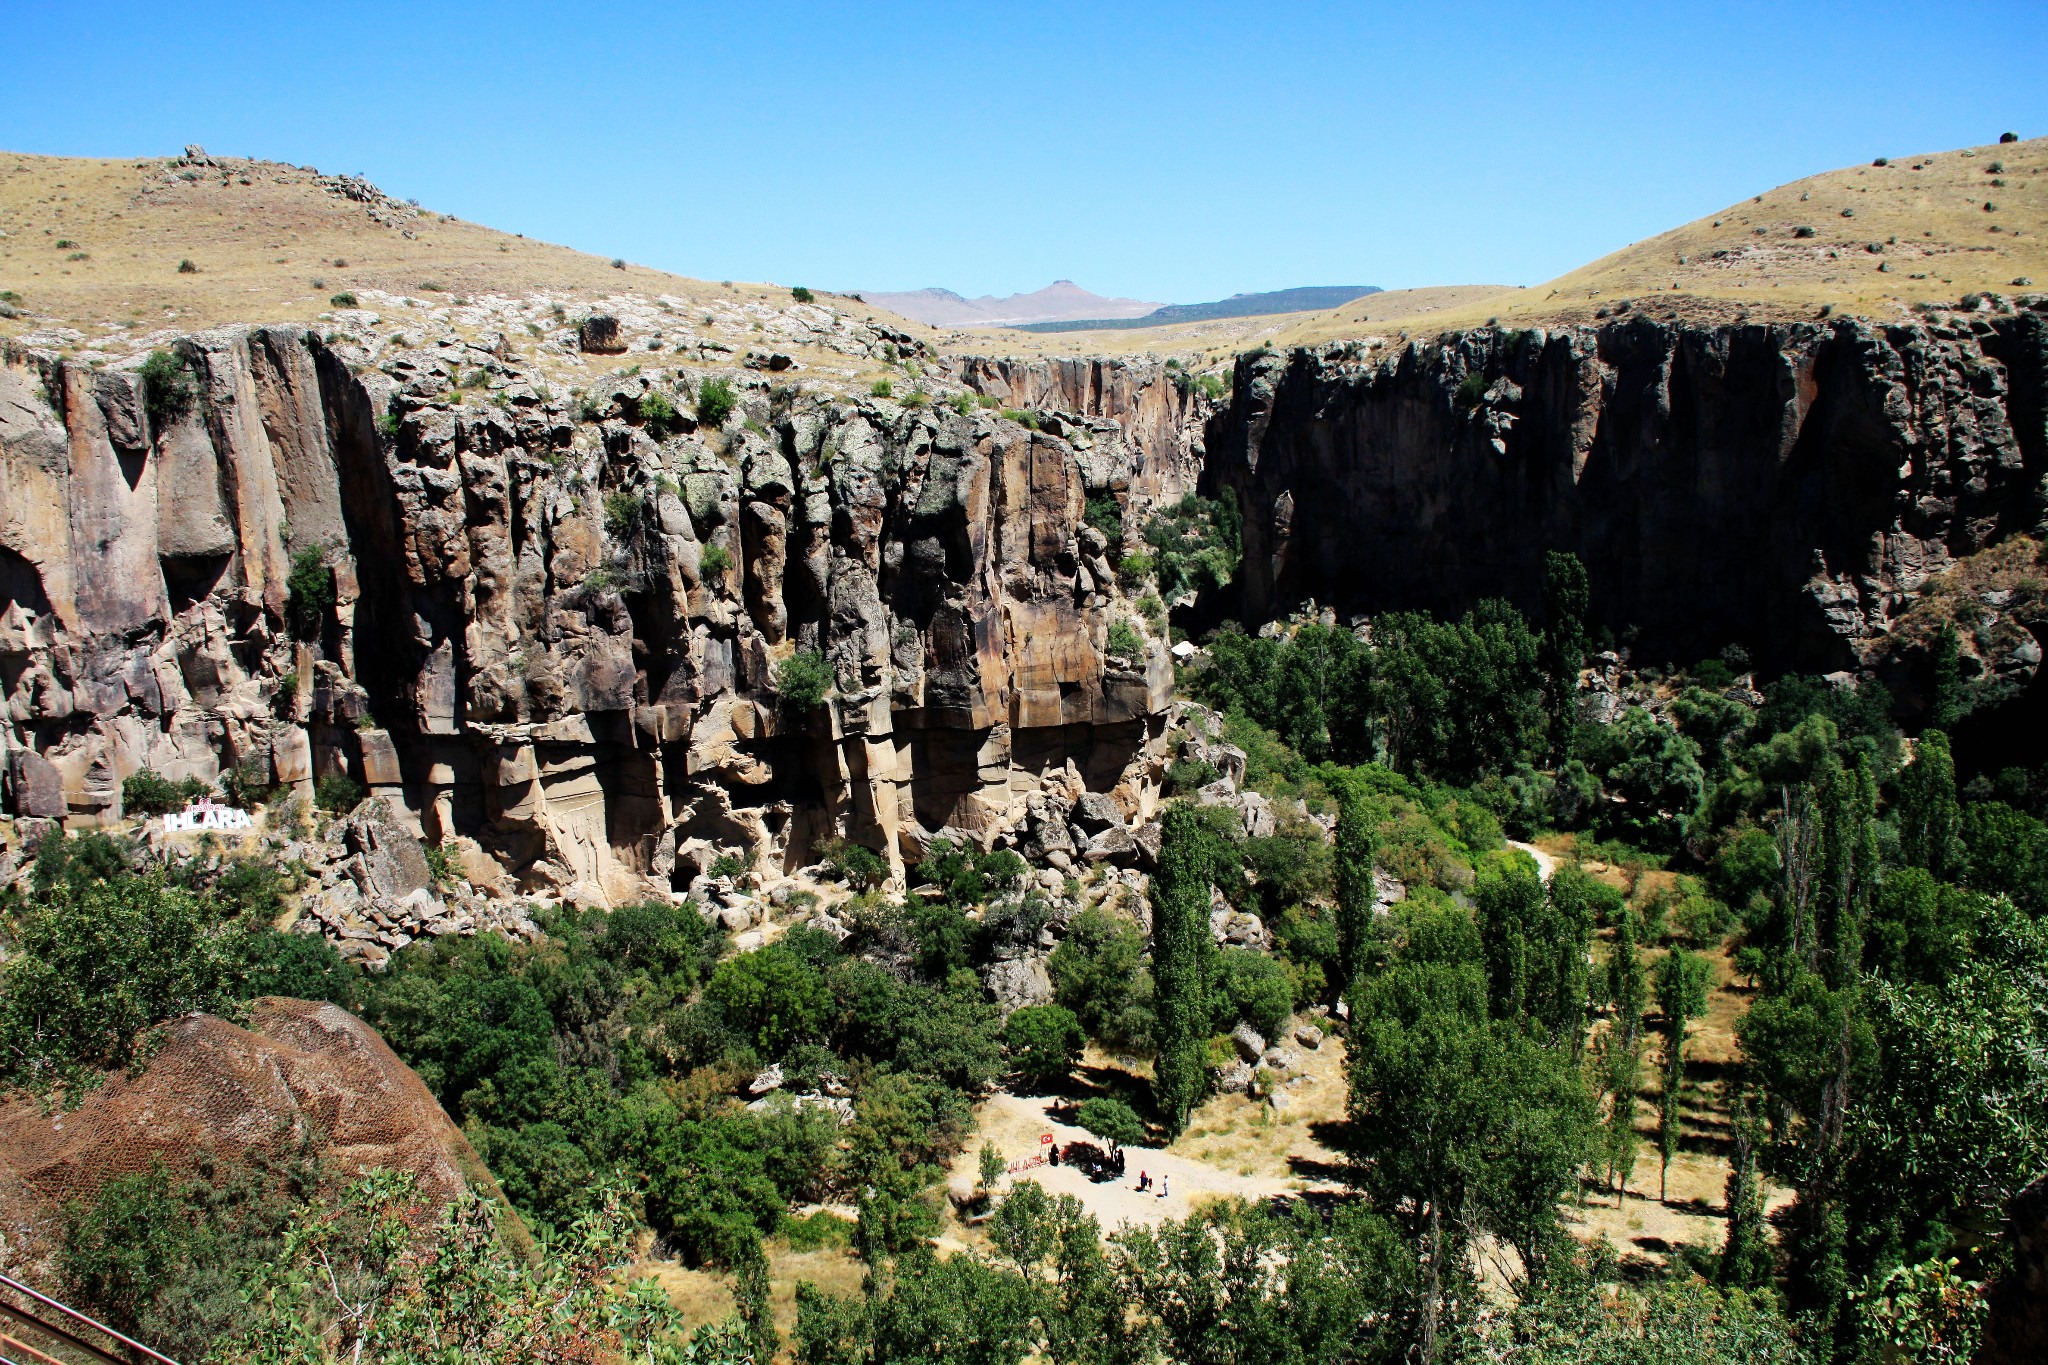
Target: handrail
63 1334
10 1282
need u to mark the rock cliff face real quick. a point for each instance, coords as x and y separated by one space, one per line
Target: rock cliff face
557 627
1781 487
1161 422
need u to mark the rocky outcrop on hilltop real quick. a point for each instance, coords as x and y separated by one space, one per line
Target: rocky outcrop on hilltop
1787 488
557 623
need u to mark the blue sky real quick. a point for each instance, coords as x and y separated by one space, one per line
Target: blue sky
1170 152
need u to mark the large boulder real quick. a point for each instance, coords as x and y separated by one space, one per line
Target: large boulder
1019 982
34 786
216 1093
393 864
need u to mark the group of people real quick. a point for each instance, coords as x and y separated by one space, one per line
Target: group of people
1145 1183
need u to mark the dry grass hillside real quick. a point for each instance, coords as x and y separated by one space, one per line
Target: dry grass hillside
93 257
1871 239
95 250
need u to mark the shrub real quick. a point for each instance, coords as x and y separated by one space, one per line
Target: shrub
166 388
730 865
881 388
962 403
1106 515
1125 642
1111 1119
440 864
338 794
622 509
715 402
804 678
95 962
1044 1043
1185 775
1472 390
1021 417
1252 987
342 300
1802 231
148 793
309 592
185 267
1197 544
773 995
1098 971
1133 569
716 560
658 413
802 295
855 864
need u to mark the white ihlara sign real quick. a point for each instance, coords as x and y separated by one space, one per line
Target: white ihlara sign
204 814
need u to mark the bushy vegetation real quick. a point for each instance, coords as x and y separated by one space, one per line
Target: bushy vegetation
148 793
1196 544
102 952
309 593
803 679
622 512
715 402
167 389
658 413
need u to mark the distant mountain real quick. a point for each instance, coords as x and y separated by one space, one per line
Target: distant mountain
1059 300
1311 298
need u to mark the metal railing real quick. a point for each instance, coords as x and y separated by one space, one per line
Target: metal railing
63 1329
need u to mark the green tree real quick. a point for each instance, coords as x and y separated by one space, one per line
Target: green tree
1930 821
97 963
1112 1119
1181 954
376 1277
1945 702
1357 835
773 995
1621 1049
1455 1113
1682 980
1238 1285
1098 971
1044 1043
1565 601
1746 1253
1536 940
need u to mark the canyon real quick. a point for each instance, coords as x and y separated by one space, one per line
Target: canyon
557 621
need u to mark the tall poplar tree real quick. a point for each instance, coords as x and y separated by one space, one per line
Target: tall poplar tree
1357 823
1181 949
